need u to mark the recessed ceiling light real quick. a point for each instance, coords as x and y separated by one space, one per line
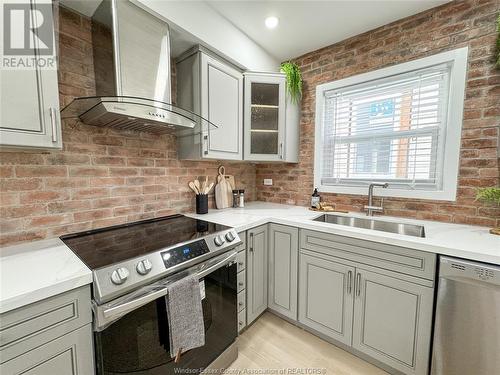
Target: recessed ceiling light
272 22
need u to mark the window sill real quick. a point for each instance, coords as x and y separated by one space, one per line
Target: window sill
388 192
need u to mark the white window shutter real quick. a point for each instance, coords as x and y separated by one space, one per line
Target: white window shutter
389 130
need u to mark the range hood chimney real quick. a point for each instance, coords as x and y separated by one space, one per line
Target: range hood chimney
131 54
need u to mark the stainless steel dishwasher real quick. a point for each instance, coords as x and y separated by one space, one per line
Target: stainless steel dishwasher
467 328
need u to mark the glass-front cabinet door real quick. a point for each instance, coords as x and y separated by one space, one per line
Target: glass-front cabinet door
264 119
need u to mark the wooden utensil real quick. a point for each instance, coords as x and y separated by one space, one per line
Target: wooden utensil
194 188
230 180
495 231
223 190
197 184
230 184
204 185
328 210
208 188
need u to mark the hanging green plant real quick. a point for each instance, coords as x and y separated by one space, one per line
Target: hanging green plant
293 80
498 42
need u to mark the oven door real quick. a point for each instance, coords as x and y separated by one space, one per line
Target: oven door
138 341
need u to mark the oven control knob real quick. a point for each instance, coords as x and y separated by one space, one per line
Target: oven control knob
143 267
119 276
230 236
219 240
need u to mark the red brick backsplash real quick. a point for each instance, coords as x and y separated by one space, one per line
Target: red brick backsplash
102 177
453 25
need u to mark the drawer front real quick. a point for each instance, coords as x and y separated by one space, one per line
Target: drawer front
242 319
241 281
394 258
241 260
70 354
33 325
243 238
242 297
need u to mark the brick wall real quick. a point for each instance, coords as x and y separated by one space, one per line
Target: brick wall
101 177
453 25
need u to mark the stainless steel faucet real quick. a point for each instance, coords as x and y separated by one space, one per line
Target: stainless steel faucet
370 208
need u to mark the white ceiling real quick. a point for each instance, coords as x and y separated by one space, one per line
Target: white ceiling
306 26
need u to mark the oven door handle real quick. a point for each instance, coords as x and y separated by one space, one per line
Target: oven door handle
104 316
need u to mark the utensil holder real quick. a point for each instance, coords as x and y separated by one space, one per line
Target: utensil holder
202 203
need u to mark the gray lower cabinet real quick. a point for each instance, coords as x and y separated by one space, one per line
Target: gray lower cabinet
70 354
283 269
29 109
52 336
392 321
257 261
385 256
326 297
241 261
374 298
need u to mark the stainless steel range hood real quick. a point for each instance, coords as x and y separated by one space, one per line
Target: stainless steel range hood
131 54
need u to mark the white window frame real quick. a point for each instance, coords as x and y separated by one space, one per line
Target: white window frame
451 155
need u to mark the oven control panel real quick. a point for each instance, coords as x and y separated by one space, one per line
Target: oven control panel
181 254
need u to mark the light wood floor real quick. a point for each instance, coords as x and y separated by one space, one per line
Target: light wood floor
272 343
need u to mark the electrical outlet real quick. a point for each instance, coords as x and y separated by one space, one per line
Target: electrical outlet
268 181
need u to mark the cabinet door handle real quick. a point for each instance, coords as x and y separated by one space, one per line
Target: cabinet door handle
349 282
251 242
205 144
53 122
358 284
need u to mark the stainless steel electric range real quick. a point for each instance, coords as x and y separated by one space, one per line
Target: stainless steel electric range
132 266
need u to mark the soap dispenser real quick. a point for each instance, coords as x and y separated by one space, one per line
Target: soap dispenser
315 198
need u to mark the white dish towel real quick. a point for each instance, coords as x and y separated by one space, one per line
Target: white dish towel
185 316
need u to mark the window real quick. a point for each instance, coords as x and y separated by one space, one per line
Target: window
399 125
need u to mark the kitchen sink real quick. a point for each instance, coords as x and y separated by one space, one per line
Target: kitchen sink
380 225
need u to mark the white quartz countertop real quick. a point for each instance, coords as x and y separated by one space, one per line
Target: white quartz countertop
463 241
38 270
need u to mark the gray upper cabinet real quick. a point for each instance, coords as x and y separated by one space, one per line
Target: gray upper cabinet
29 112
212 88
326 296
283 269
264 116
257 264
392 321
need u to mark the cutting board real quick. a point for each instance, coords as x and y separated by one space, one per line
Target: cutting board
224 189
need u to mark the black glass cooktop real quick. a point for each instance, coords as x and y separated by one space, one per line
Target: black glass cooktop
103 247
